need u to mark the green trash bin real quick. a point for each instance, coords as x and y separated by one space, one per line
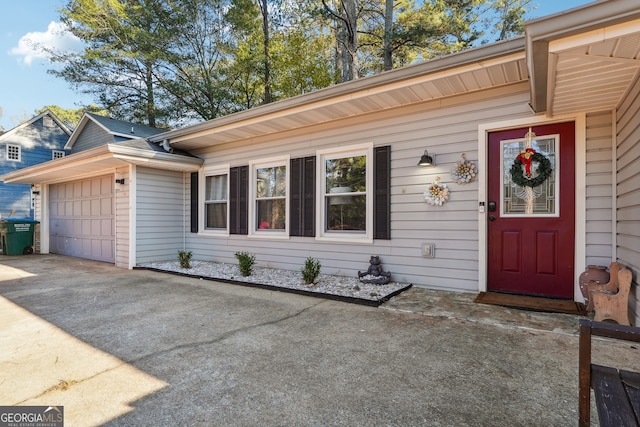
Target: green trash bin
16 236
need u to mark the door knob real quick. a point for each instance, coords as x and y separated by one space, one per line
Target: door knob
492 218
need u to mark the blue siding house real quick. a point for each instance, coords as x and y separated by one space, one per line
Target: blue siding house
35 141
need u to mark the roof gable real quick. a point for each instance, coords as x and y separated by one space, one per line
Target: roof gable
114 130
7 136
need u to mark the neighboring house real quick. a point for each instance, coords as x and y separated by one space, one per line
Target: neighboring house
94 131
35 141
334 174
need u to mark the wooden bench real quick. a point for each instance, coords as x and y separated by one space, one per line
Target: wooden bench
611 286
612 304
616 391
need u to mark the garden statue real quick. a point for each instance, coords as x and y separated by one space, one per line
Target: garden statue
374 274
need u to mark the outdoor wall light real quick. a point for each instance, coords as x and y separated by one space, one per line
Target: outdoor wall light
120 181
426 160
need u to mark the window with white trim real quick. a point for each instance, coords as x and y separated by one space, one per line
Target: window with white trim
57 154
345 188
14 152
216 199
269 187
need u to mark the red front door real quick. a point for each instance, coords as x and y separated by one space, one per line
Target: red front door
531 219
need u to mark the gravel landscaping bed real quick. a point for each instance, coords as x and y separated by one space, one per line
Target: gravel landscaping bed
343 288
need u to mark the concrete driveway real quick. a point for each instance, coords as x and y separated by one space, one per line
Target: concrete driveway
138 348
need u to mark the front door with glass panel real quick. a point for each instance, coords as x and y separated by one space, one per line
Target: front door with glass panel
531 210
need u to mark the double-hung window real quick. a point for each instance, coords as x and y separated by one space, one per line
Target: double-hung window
216 199
345 189
269 187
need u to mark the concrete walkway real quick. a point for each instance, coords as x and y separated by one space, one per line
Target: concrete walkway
138 348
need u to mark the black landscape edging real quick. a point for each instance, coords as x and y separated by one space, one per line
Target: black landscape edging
333 297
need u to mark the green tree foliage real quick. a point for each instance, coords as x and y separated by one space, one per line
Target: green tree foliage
173 62
194 70
71 117
509 17
124 42
299 58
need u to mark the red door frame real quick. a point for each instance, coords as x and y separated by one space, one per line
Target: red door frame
536 274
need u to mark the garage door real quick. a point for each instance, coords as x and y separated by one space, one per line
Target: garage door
81 215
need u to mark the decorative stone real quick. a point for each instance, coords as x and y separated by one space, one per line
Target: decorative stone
374 273
597 273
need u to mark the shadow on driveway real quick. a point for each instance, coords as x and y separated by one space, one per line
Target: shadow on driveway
134 347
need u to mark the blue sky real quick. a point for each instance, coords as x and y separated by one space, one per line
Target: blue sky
25 84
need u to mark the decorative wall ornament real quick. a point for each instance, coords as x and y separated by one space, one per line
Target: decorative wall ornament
465 171
437 193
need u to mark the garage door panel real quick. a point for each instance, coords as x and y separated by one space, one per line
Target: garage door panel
106 226
106 185
53 208
82 219
106 206
86 189
67 227
86 227
94 210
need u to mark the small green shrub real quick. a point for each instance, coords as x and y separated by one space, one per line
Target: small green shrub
245 263
310 270
184 257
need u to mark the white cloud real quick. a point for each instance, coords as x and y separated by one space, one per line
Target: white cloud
32 46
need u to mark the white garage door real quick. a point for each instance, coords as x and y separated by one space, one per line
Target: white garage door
81 215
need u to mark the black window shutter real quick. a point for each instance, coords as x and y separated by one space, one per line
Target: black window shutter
302 197
309 197
238 201
194 202
382 196
295 197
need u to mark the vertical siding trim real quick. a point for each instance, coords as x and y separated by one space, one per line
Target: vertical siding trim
122 206
194 202
133 196
43 217
614 185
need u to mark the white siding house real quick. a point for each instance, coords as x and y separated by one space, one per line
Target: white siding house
627 188
159 216
334 174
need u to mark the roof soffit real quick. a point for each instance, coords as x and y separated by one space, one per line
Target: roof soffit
585 59
97 160
469 71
